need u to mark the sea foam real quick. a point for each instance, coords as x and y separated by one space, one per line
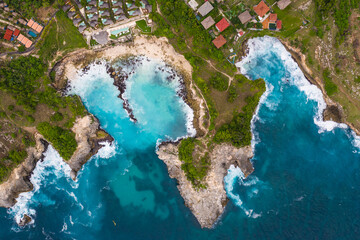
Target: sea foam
51 164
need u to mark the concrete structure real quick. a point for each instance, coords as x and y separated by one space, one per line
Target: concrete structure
205 8
193 4
101 37
245 17
208 22
282 4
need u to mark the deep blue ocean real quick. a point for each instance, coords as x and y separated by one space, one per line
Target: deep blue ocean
306 183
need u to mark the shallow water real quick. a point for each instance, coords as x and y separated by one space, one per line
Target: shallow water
305 184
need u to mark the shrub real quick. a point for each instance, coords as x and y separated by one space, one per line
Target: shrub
219 81
62 140
57 117
330 86
30 119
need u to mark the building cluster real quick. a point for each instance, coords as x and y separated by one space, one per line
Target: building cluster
104 12
264 17
18 30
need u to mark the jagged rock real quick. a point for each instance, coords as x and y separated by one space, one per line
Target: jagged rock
207 204
25 220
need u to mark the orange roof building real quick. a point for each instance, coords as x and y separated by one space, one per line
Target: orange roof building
261 9
219 41
273 17
28 44
222 25
20 37
278 24
39 28
30 23
265 23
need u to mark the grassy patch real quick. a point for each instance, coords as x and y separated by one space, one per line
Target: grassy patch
60 35
143 26
330 86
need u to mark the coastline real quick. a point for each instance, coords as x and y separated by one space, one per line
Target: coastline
333 111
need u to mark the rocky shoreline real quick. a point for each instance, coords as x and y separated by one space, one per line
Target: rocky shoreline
208 204
87 132
334 111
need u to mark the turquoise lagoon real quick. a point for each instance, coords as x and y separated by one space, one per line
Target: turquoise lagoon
306 183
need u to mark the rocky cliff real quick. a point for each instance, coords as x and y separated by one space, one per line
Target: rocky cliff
207 204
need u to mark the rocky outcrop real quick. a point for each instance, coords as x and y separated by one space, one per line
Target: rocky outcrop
207 204
19 180
86 131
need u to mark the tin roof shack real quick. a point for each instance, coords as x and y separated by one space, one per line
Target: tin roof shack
245 17
208 22
282 4
205 8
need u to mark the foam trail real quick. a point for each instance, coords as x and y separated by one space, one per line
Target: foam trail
51 164
262 46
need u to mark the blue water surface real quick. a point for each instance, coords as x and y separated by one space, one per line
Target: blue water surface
305 184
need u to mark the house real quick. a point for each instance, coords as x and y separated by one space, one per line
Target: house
108 22
219 41
92 10
222 25
30 23
76 21
70 14
134 13
278 24
272 22
22 21
104 13
104 5
261 9
101 37
11 28
282 4
208 22
65 8
193 4
118 11
117 3
8 34
16 32
81 28
120 17
245 17
92 2
94 23
93 17
24 40
205 8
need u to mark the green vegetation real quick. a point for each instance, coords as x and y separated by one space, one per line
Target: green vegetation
143 26
232 93
195 170
28 7
57 117
330 86
62 140
60 36
19 78
238 131
14 158
219 81
357 79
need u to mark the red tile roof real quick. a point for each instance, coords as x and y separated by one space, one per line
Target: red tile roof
222 25
261 9
278 24
219 41
8 34
273 17
16 32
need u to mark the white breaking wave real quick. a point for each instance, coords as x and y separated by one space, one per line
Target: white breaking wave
51 164
235 173
260 46
107 150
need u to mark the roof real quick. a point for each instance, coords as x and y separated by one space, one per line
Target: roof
278 24
219 41
245 17
20 37
39 28
282 4
261 9
273 17
8 34
101 37
265 23
77 20
222 25
193 4
208 22
30 23
81 28
205 8
16 32
104 5
28 44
